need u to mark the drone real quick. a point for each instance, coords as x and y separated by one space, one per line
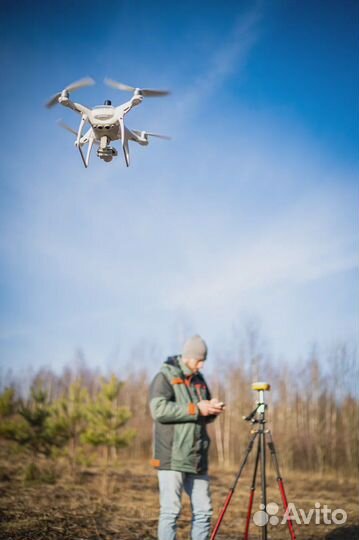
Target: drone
106 121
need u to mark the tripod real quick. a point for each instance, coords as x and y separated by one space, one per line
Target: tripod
258 417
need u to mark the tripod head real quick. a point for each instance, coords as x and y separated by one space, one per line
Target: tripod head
260 387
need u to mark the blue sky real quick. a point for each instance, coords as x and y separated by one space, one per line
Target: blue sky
248 214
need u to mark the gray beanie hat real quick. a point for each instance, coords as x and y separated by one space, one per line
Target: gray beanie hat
195 347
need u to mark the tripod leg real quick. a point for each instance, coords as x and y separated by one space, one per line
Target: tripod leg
280 484
263 477
251 496
231 491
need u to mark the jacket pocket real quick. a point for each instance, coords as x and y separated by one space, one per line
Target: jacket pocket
183 449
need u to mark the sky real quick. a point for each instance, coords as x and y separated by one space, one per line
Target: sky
246 218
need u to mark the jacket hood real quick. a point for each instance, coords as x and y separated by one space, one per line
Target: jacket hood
173 361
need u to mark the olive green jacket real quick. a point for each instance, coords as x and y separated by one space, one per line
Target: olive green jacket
180 440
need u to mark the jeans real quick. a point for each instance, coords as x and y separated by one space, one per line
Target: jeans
196 486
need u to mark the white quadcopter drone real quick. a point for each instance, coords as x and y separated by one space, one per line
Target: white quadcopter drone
106 121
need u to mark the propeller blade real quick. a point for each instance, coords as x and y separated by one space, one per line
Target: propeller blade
119 86
53 101
82 83
143 91
166 137
154 93
68 128
145 133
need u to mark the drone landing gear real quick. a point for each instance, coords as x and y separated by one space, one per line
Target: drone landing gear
126 152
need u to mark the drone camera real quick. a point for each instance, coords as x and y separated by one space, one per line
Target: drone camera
107 153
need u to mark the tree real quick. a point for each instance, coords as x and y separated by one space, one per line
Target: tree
68 418
27 423
8 403
106 419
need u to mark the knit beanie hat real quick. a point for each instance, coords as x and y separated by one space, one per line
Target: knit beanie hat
195 347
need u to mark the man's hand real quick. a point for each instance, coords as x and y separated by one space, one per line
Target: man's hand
207 408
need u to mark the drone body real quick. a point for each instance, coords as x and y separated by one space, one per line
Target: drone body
106 121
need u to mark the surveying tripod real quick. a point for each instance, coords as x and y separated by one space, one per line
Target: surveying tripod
258 417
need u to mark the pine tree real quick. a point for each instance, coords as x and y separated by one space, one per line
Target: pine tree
7 403
27 423
68 418
9 420
106 419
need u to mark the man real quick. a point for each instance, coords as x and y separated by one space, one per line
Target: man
181 407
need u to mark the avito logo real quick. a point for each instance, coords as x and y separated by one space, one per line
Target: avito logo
321 514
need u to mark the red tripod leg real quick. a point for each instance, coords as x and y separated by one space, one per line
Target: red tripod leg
281 485
221 515
249 513
285 504
251 496
231 491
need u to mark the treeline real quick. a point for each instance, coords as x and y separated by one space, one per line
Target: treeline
313 411
83 418
68 419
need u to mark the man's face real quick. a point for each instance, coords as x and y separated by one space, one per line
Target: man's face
194 365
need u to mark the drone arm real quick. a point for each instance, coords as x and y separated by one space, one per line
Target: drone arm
77 107
133 102
136 100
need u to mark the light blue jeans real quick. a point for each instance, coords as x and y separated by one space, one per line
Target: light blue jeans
196 486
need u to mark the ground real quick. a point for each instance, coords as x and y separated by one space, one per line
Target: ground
126 508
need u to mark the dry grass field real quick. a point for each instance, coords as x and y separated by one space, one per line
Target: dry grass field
127 507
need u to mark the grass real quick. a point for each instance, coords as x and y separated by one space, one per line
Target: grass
126 506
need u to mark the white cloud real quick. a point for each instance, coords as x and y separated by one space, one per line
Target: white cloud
229 58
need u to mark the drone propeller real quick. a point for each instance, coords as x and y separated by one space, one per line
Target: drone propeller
82 83
166 137
68 128
142 91
145 133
